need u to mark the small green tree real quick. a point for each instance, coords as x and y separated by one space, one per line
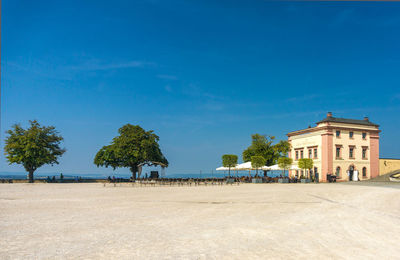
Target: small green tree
33 147
229 160
257 162
133 148
285 163
306 164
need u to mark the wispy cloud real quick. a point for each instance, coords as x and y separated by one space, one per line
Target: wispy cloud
99 65
194 121
39 68
55 69
212 106
194 90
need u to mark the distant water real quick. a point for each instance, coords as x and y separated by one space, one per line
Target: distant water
21 176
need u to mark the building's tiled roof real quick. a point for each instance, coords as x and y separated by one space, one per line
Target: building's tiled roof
347 121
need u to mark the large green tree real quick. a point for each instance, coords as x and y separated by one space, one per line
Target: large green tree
262 145
133 148
33 147
229 160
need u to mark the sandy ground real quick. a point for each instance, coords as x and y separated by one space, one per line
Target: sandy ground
252 221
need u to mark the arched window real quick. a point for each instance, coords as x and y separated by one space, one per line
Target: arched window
338 171
364 172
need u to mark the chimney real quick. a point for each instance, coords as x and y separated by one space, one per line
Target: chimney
329 114
366 118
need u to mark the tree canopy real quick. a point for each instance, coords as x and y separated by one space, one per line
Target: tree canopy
133 148
285 163
33 147
229 160
281 149
262 145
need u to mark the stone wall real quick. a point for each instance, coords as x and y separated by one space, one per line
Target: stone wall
388 165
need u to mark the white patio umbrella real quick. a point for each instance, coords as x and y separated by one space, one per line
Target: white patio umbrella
223 168
273 167
295 167
244 166
226 169
276 167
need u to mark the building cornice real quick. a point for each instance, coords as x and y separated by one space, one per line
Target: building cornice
331 128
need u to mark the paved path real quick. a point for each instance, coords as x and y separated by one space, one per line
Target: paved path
251 221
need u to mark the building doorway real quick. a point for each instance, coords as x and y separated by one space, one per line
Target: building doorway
351 172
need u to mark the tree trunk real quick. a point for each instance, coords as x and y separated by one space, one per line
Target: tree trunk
30 176
134 170
229 172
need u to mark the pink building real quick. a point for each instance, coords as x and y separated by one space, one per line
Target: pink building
340 146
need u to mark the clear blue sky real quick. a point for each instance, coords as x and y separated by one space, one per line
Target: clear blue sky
204 75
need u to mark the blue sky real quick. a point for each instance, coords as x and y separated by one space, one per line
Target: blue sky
204 75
